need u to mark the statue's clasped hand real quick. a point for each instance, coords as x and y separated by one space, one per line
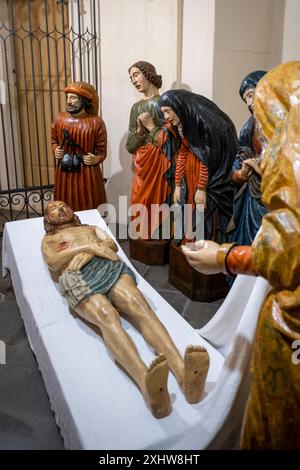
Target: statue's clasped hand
246 170
102 251
147 121
253 163
95 249
91 159
177 195
59 152
79 261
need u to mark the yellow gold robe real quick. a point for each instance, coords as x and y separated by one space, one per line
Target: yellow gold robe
272 419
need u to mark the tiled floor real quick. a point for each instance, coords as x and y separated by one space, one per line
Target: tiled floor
26 419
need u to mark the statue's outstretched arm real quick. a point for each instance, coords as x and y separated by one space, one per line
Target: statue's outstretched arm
58 255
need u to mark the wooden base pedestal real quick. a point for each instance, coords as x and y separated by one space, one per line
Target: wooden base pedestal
196 286
151 252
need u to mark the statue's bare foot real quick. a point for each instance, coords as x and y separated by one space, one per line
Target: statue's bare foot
156 387
196 365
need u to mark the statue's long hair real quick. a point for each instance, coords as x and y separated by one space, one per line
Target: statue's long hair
51 228
149 72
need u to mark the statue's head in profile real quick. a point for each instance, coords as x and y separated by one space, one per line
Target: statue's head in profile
143 75
81 98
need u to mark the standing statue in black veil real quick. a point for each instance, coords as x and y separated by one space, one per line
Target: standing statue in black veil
248 209
206 144
247 90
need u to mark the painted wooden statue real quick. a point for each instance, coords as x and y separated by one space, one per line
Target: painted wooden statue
206 143
152 178
98 285
248 209
272 419
79 141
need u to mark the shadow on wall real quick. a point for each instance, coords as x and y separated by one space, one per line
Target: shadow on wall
180 86
120 183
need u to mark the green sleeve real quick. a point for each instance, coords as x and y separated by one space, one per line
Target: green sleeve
134 141
153 135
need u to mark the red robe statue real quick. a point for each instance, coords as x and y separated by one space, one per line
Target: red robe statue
83 189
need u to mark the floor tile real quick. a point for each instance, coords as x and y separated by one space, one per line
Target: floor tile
199 313
176 299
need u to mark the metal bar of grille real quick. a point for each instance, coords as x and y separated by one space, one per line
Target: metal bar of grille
28 189
31 35
95 46
79 37
8 87
64 39
5 150
27 112
16 65
73 61
57 73
88 60
43 120
49 58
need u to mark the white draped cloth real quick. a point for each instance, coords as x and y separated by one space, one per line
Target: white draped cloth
231 331
96 405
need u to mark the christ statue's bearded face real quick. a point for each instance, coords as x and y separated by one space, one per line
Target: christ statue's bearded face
59 213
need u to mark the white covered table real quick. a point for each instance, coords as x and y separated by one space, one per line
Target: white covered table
96 404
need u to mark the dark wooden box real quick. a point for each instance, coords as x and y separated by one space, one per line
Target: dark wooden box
151 252
196 286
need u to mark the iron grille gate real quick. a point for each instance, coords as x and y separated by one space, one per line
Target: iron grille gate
44 44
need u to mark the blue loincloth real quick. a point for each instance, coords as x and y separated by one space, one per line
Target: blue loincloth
98 276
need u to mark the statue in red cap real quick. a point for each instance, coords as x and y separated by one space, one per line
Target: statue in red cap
79 141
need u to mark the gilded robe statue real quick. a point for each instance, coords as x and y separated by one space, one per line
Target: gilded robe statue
272 418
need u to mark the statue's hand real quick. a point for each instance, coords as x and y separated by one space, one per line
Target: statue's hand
78 261
200 197
245 171
147 121
202 255
254 164
180 130
168 125
103 251
177 195
140 130
91 159
59 152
